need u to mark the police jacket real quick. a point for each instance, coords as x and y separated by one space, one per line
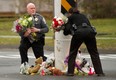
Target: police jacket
75 21
40 23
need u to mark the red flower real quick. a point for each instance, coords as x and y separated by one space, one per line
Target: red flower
18 28
57 22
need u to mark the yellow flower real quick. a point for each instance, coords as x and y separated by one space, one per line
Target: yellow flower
24 22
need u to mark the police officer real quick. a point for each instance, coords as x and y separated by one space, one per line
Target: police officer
80 29
39 27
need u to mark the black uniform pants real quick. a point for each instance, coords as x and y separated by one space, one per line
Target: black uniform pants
86 36
37 48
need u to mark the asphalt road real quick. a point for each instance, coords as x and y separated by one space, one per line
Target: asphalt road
10 63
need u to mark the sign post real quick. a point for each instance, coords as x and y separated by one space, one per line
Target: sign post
62 43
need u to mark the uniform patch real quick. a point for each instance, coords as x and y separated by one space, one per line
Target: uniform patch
36 19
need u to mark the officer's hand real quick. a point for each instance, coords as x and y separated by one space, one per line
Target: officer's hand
59 28
34 29
27 33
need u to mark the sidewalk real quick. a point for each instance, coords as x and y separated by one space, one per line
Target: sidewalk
48 37
49 48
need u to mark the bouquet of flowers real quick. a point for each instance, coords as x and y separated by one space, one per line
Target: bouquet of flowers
57 23
21 25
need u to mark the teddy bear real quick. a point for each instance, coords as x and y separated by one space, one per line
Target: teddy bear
34 69
55 71
82 66
41 67
47 68
44 67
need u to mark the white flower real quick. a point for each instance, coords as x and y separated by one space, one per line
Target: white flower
30 19
20 19
58 18
59 22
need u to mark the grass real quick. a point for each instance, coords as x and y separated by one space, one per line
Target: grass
7 24
104 27
9 41
107 44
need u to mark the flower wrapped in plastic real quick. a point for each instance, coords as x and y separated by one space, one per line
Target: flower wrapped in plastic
57 23
21 25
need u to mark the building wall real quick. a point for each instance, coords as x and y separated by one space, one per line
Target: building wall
18 6
41 5
7 5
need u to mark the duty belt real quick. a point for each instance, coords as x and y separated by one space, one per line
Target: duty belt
83 25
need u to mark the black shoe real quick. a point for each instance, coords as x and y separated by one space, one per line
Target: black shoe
44 58
101 75
69 74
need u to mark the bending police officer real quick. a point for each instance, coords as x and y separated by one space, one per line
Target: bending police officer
82 32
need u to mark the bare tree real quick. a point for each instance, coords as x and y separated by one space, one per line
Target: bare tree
100 8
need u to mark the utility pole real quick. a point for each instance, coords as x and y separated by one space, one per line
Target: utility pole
62 42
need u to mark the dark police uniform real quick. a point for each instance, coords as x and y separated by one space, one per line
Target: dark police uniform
37 46
80 29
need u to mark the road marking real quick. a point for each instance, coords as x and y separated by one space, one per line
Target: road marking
3 36
49 37
15 56
107 56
